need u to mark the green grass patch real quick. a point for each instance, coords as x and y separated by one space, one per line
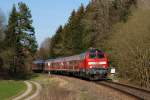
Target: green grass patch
10 88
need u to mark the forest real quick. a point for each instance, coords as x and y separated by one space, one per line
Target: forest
118 27
17 42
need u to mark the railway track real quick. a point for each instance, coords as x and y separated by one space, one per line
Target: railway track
133 91
139 93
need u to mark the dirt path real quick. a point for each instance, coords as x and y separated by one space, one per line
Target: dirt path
25 95
38 89
29 89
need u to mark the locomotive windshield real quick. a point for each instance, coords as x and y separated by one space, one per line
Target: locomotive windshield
100 55
94 53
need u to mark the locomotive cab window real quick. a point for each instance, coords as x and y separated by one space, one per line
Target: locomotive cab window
100 55
92 51
92 55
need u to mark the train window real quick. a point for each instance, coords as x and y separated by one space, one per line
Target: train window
92 55
100 55
92 51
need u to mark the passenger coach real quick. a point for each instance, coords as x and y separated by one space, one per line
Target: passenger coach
38 66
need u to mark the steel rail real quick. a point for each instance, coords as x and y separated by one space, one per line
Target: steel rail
138 93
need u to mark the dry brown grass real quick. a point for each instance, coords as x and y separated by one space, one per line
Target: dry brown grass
64 88
53 92
55 89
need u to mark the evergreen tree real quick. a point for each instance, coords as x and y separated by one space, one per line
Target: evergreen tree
69 32
76 27
55 48
11 33
27 30
9 54
69 40
26 43
2 34
20 39
2 37
96 23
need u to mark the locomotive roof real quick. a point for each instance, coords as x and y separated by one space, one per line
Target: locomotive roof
74 57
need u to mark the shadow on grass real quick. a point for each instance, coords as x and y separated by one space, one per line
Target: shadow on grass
17 77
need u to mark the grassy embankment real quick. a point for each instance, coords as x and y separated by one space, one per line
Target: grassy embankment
10 88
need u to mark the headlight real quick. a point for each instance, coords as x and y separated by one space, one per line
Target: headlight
91 63
49 64
103 62
91 66
95 63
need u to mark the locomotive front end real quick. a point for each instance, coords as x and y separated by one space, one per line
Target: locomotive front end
97 65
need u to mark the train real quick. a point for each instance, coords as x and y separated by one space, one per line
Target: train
92 64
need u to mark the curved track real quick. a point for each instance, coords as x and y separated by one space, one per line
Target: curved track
136 92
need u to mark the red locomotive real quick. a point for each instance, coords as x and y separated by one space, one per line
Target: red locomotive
92 64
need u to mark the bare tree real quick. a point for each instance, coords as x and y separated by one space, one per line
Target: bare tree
131 48
43 52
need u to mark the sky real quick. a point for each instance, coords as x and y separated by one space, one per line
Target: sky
47 15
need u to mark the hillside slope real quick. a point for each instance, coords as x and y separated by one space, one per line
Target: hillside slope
144 4
130 44
89 26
